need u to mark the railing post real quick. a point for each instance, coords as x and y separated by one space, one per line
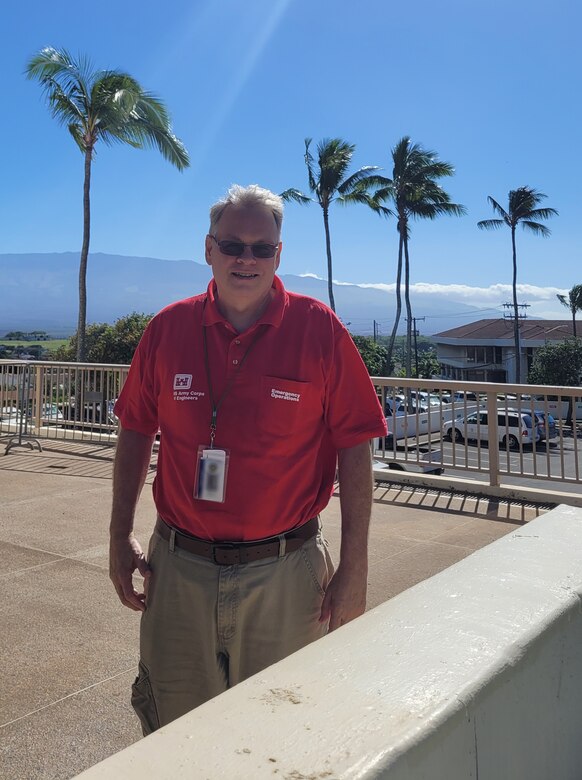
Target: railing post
38 396
493 445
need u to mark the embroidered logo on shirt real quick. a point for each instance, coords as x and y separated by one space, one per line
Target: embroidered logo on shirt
283 395
182 391
182 381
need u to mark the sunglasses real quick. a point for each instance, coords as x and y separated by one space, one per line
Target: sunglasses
260 251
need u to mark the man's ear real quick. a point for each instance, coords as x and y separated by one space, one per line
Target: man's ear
207 250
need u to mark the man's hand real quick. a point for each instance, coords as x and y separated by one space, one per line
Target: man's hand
345 597
125 556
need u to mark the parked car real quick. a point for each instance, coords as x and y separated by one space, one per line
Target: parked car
10 414
514 429
461 395
51 413
546 425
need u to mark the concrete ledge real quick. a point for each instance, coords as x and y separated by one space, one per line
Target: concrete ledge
476 672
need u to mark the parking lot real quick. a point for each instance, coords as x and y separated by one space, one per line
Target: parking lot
559 459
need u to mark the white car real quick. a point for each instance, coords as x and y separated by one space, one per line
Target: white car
51 412
514 429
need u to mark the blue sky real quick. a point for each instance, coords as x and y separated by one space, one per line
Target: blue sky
492 86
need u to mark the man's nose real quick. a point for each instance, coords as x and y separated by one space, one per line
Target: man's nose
246 255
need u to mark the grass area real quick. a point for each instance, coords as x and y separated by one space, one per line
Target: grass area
51 344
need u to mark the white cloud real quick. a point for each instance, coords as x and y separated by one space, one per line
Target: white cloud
466 293
542 301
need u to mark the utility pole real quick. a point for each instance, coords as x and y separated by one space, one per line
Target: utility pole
511 316
415 333
376 330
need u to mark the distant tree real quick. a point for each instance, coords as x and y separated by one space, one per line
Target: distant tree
331 182
522 209
428 365
573 302
373 355
109 343
413 192
558 364
104 105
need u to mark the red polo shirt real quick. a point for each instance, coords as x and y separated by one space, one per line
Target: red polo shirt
302 393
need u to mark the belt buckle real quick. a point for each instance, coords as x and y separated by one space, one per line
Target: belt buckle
224 547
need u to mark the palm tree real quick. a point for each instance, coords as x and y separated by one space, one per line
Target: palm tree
103 105
572 301
330 183
413 192
523 208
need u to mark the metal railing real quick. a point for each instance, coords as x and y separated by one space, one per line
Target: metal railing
464 429
497 433
50 400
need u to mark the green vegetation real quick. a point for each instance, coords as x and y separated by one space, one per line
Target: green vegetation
33 335
109 343
330 183
39 349
48 344
101 105
522 209
558 364
413 192
373 354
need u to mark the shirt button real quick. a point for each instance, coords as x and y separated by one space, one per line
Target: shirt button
237 341
235 362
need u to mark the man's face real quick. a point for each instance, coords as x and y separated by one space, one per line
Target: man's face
244 278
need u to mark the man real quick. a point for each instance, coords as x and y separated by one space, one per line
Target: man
257 394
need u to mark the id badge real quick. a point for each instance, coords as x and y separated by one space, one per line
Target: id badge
211 471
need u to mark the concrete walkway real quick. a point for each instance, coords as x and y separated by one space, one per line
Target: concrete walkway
68 649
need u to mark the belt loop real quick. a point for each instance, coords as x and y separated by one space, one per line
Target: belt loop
172 539
282 545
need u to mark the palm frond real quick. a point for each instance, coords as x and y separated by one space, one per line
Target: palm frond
497 208
309 164
491 224
428 210
535 227
546 213
363 175
358 195
293 195
108 104
334 157
77 132
57 68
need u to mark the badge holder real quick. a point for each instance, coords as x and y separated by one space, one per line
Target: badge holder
211 473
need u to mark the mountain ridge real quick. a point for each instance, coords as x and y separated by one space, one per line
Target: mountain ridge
40 291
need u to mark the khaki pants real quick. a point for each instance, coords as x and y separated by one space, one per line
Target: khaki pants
207 627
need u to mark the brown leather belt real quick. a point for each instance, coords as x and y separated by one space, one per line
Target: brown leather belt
232 553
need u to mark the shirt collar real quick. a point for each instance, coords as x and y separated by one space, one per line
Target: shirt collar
273 314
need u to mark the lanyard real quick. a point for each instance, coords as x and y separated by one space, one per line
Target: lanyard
228 388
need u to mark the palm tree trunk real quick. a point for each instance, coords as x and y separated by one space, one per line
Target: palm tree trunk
82 321
408 308
516 313
398 305
329 269
574 323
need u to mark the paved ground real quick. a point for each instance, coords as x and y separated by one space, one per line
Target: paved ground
68 649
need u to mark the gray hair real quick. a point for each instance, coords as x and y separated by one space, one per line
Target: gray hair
253 195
